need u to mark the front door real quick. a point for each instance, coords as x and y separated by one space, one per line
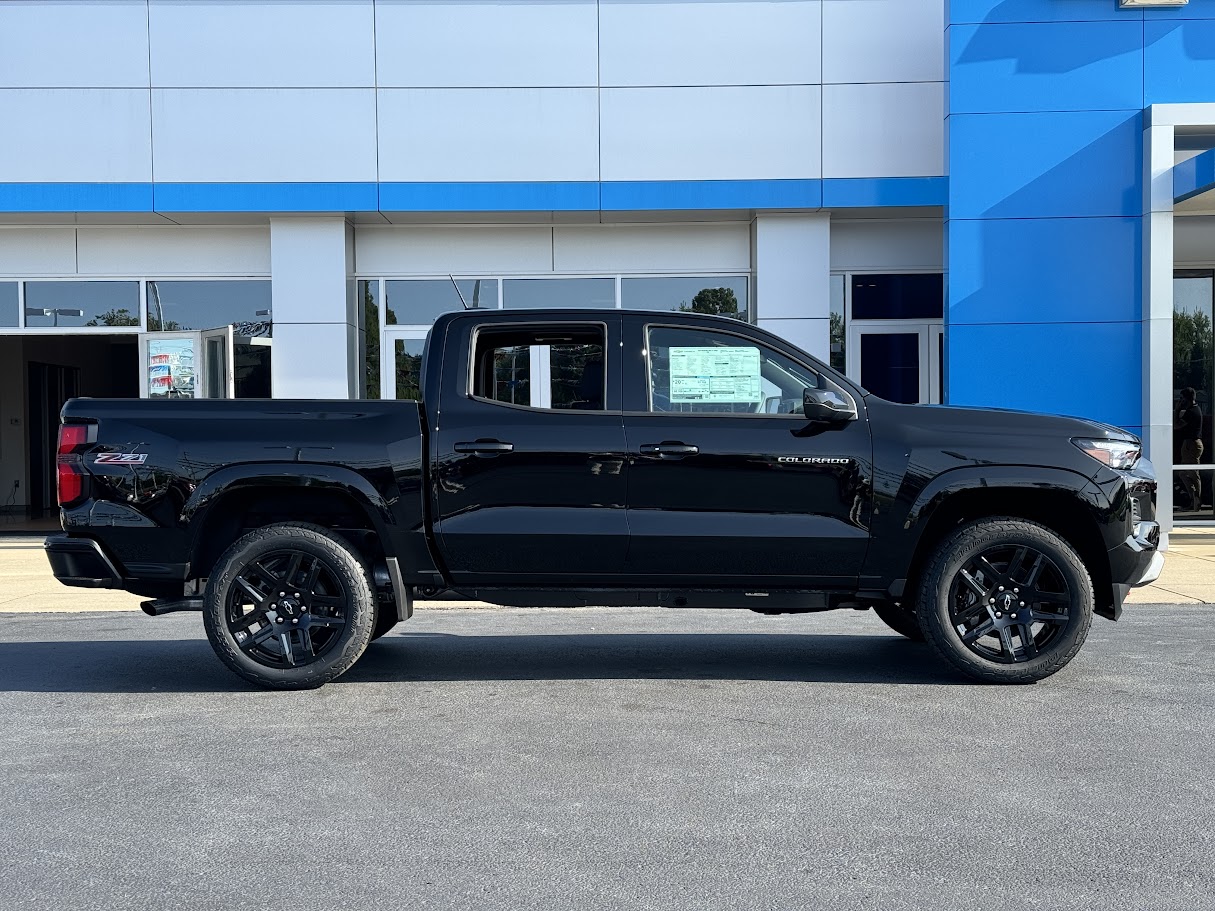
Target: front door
528 453
728 483
401 363
898 360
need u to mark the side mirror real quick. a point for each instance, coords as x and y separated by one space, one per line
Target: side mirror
827 406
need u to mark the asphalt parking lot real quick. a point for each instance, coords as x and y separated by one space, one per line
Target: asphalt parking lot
606 758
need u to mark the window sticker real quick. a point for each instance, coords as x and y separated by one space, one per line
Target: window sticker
715 374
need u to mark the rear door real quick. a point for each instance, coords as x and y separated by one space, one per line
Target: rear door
529 475
728 482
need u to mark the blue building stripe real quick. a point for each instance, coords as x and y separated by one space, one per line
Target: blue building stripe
499 196
1193 176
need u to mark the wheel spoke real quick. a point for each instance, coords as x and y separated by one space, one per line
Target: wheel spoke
242 623
973 584
1014 565
963 614
979 631
294 567
288 654
257 638
1006 643
328 600
1052 598
313 574
268 577
327 622
1035 571
1026 635
1040 616
990 573
247 588
306 644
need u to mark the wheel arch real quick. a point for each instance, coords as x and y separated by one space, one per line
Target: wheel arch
1062 501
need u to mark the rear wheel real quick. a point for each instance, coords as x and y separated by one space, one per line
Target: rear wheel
900 619
289 607
1006 601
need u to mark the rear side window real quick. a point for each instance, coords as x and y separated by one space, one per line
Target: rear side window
699 371
560 368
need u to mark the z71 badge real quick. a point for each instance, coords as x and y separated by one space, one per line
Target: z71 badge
121 458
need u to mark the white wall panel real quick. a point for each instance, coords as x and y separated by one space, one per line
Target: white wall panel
37 251
488 134
883 130
452 250
166 250
792 268
73 135
264 134
1194 240
438 43
237 43
644 248
883 40
811 335
310 361
748 132
757 42
869 245
93 44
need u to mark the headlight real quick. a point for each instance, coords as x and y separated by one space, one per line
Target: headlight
1121 454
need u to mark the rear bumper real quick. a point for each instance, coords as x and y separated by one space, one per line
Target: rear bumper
1136 561
81 562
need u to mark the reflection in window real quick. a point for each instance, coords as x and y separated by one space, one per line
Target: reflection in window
369 338
76 304
175 306
509 365
171 368
898 296
839 352
251 368
553 293
714 294
8 304
419 302
409 367
695 371
1193 384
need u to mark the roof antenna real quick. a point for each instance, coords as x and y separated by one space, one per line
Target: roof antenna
463 302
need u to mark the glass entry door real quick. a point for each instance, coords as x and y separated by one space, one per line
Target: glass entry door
899 360
401 363
186 365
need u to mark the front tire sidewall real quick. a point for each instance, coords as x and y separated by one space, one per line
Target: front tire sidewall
314 541
933 605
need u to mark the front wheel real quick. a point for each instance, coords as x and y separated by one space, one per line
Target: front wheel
289 606
1005 601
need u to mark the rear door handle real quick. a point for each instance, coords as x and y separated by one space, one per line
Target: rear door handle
669 450
485 449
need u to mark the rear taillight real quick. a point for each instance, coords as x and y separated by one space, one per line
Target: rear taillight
70 468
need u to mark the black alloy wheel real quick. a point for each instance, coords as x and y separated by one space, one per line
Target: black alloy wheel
1006 600
289 606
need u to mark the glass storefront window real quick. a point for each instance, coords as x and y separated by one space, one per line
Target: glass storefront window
369 337
1193 385
81 304
898 296
171 368
175 306
8 304
555 293
723 295
839 352
419 302
409 367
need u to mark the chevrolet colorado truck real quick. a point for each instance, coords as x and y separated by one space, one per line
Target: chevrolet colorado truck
606 457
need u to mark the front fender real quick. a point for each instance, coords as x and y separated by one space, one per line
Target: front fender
976 477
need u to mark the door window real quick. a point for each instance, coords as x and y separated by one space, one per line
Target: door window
698 371
561 368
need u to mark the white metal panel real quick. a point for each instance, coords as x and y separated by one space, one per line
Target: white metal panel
884 130
264 134
646 248
883 41
1193 241
37 251
722 133
868 245
452 250
437 43
309 360
308 269
756 42
95 44
161 251
792 267
72 135
811 335
233 43
488 134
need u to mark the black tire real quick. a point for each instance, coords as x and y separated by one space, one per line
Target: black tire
900 619
1005 600
299 637
385 620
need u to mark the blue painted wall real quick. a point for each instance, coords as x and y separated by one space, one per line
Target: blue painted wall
1044 137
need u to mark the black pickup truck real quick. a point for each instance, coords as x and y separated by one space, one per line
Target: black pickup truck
606 457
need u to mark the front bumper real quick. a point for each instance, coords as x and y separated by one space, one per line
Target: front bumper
1135 562
81 562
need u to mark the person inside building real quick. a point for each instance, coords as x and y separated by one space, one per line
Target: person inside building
1189 432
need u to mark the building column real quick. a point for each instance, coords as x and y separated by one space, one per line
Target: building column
791 259
315 333
1157 431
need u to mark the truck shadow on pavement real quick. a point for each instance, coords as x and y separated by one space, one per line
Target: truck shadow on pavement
189 665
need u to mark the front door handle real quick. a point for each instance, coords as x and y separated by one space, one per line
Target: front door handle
485 449
669 449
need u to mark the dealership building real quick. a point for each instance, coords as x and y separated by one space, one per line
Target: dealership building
978 202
